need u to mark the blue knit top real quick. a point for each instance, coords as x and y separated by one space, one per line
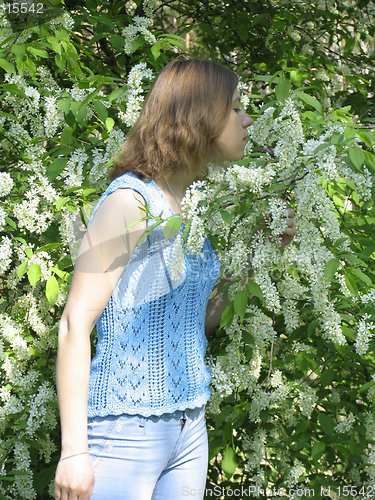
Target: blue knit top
151 339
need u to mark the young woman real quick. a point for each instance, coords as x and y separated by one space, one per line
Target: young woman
145 437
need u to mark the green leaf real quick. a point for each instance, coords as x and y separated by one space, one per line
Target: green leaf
349 46
60 203
175 40
222 416
357 156
18 50
350 283
226 216
34 273
21 270
255 289
172 227
282 90
67 138
240 303
310 100
229 462
156 49
64 105
317 450
227 316
109 123
81 114
8 66
326 377
339 241
55 168
47 247
38 52
331 268
366 386
116 94
353 444
362 276
54 44
117 41
326 424
101 110
325 145
52 290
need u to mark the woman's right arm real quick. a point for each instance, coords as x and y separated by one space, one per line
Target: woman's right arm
104 253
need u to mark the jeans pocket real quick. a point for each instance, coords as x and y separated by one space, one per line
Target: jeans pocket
99 430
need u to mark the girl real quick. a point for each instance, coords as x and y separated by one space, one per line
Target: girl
145 437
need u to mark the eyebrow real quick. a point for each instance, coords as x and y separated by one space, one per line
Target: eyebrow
237 99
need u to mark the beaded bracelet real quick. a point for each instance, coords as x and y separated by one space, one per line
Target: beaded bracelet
75 455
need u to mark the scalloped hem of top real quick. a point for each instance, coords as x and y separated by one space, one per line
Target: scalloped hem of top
106 412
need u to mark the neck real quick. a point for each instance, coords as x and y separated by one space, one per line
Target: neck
178 183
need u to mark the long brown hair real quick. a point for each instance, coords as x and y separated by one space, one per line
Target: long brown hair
185 111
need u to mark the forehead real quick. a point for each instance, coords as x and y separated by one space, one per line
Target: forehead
236 95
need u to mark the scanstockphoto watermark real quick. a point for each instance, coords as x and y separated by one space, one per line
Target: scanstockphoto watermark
252 491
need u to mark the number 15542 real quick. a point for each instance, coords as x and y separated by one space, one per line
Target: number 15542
23 8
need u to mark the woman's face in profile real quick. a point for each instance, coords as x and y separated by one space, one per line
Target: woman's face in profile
233 138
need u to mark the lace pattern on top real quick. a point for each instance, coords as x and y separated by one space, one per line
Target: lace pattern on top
151 340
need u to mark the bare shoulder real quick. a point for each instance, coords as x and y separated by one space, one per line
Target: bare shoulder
118 210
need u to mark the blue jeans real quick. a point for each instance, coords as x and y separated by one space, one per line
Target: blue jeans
149 458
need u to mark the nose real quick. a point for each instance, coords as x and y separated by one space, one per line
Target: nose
247 121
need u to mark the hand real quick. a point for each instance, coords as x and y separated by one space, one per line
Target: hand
74 479
289 231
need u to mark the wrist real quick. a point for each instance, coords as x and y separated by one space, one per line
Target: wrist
73 455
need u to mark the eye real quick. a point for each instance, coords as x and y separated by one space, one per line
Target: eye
237 110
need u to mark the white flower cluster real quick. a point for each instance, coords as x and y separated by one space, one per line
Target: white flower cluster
370 426
364 334
255 449
101 160
35 212
177 261
140 25
192 211
149 6
346 426
134 95
5 254
23 485
65 20
254 179
73 173
11 332
278 213
290 135
368 297
294 474
306 399
53 117
6 184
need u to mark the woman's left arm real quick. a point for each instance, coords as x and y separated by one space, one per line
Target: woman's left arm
219 299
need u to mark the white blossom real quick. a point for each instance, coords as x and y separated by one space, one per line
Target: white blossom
6 183
364 334
140 25
134 96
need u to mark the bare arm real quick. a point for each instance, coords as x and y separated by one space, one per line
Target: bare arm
103 255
